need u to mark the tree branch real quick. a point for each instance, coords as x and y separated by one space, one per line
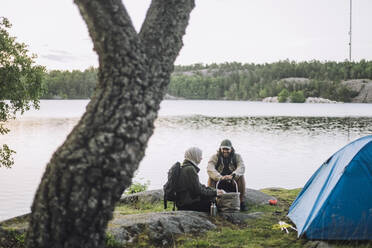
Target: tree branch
162 31
106 19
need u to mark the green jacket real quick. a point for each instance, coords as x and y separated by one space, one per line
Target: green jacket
190 188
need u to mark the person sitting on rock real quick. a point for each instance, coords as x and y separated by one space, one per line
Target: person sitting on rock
192 195
227 165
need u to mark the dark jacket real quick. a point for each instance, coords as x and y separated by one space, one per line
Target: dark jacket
190 188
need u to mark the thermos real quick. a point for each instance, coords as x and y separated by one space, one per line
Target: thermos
213 211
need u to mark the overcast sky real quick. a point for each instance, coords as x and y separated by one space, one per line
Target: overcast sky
246 31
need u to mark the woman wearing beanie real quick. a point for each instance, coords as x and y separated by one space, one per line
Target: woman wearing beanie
192 194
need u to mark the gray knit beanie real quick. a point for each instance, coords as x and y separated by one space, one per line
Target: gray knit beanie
194 155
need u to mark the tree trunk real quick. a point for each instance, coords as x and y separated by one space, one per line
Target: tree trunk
88 173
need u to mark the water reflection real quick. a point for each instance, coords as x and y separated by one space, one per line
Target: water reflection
277 151
304 125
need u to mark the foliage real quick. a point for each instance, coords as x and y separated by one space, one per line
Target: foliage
20 238
6 158
297 96
236 81
12 238
72 85
232 81
111 242
255 233
258 233
136 187
140 207
20 82
283 95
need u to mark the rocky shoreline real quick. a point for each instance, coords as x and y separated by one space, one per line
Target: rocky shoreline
160 227
274 99
157 228
362 88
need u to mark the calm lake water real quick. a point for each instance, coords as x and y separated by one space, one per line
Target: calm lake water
281 144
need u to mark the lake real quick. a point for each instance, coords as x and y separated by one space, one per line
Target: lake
282 144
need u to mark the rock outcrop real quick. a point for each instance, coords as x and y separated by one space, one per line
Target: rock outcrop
239 217
294 81
308 100
256 197
160 228
270 99
318 100
150 196
363 87
252 197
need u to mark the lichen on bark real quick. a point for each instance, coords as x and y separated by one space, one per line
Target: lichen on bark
88 173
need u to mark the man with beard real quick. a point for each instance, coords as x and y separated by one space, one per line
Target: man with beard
227 165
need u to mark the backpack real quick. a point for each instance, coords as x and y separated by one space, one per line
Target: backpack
170 187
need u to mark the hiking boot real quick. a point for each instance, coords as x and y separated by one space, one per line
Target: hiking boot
243 207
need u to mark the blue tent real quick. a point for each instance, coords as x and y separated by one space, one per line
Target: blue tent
336 202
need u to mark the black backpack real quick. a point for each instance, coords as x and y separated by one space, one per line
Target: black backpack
170 187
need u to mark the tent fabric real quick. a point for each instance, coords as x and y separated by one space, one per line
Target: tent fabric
336 202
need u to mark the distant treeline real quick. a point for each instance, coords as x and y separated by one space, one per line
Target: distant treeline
235 81
70 84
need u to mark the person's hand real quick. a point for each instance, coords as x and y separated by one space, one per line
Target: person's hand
227 177
220 192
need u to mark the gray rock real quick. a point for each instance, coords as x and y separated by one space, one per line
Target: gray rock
12 229
239 217
271 99
363 87
308 100
294 81
252 197
256 197
150 196
160 227
323 244
318 100
18 224
317 244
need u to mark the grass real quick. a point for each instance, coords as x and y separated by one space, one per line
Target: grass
142 208
255 233
262 232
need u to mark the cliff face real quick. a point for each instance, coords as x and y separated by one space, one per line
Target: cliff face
363 87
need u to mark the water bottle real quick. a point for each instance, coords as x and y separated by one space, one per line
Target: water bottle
213 211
